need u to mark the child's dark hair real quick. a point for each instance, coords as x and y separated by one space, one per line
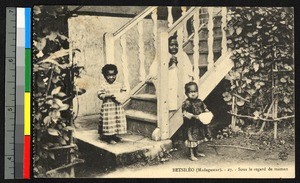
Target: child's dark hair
172 37
108 67
187 86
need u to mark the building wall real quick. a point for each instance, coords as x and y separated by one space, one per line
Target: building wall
86 33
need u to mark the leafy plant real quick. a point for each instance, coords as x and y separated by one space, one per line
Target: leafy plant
53 87
262 42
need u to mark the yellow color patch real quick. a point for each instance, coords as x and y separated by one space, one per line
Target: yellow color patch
27 114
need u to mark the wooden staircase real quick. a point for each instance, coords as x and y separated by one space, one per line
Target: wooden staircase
141 111
147 113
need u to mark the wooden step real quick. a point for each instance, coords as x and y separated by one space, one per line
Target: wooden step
145 102
141 116
145 97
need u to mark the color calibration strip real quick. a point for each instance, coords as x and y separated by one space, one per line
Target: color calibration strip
17 93
27 98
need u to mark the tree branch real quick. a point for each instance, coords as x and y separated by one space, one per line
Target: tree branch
263 119
233 146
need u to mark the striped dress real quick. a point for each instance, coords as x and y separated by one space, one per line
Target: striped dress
112 119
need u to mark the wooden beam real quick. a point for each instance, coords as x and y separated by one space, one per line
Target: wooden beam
162 107
133 22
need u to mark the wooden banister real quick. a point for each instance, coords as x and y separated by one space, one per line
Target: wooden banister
180 22
133 22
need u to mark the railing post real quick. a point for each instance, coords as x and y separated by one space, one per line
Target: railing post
109 45
163 111
185 32
210 40
181 62
125 62
141 51
170 16
224 36
196 46
154 19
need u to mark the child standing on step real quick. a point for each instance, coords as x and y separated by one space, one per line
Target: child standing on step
195 131
112 119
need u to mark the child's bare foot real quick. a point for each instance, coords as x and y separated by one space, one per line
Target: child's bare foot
193 158
112 142
199 154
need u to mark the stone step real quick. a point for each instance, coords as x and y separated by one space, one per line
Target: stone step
140 122
135 148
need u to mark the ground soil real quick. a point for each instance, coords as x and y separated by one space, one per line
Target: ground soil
265 151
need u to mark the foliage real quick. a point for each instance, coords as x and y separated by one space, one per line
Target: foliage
53 87
262 42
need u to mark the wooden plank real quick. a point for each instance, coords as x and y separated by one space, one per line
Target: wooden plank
196 47
210 40
163 111
212 77
125 62
224 38
133 22
109 45
141 51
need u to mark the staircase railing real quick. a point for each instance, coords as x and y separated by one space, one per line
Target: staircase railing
162 56
179 28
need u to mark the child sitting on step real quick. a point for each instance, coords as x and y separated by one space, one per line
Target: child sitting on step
196 131
112 119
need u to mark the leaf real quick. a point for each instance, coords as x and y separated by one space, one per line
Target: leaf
56 90
239 30
40 54
282 22
55 115
249 34
257 85
248 81
283 80
64 107
255 66
52 36
51 155
274 28
66 137
231 30
55 79
249 17
229 41
251 91
53 132
286 100
47 120
62 141
256 114
240 102
227 96
69 128
290 27
61 94
58 102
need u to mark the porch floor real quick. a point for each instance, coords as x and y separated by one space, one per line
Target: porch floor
134 148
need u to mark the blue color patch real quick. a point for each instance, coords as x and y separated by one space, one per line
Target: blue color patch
27 27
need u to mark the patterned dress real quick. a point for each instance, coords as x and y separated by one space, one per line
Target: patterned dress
195 131
112 119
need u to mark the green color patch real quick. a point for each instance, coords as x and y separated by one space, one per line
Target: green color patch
27 70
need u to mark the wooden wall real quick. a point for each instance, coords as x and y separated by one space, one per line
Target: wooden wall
86 34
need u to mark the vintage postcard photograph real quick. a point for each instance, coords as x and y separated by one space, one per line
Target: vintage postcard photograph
163 92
